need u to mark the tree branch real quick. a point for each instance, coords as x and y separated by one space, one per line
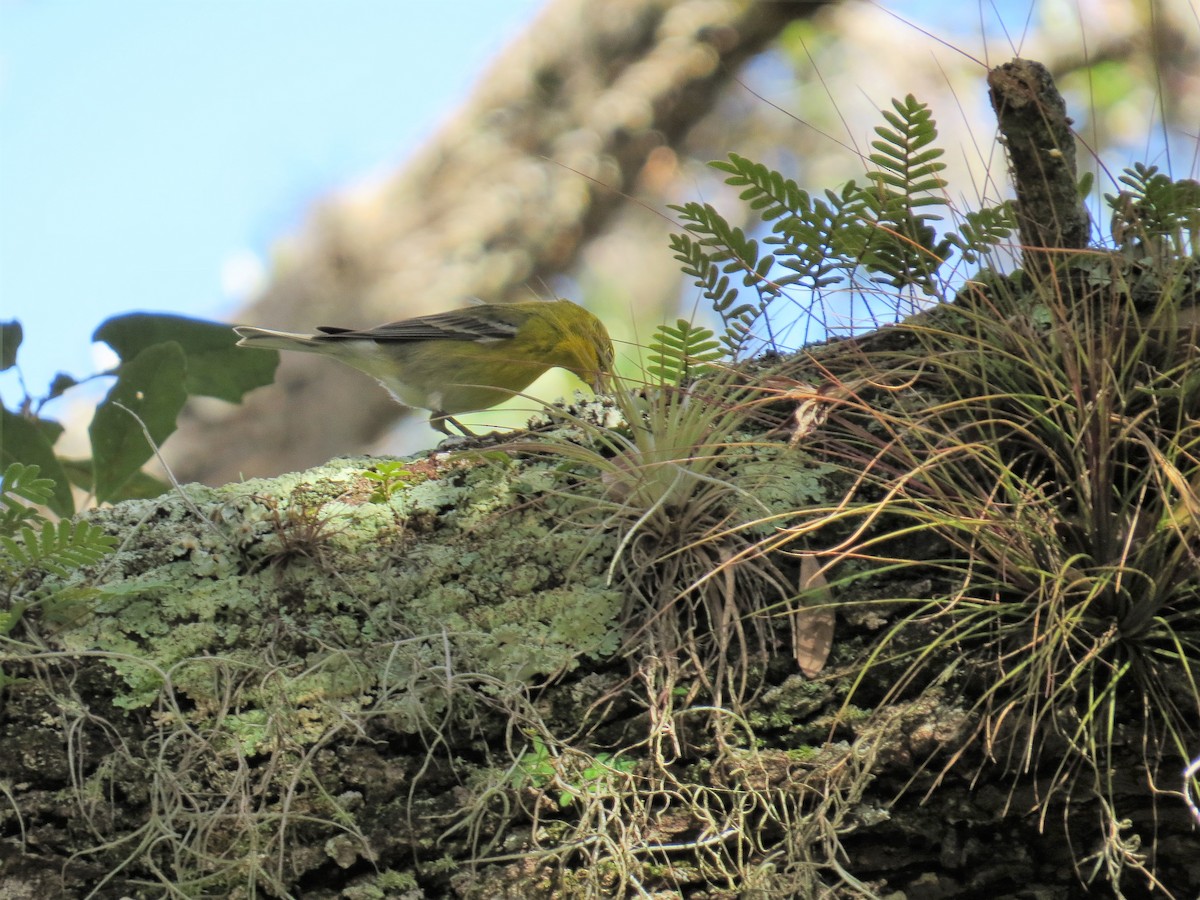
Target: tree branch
1041 151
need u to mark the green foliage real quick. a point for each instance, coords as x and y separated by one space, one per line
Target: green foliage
980 230
682 352
29 541
149 393
886 227
215 368
388 476
718 250
10 340
25 483
1154 213
164 360
540 768
896 241
58 548
1046 466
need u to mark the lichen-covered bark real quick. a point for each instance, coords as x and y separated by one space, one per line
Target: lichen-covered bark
324 690
540 669
1041 150
297 681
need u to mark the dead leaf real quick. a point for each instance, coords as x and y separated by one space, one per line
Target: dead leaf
812 403
807 417
812 624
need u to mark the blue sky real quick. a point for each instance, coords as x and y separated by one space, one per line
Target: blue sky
151 149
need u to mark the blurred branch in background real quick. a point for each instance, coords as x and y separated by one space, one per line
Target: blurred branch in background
597 103
502 198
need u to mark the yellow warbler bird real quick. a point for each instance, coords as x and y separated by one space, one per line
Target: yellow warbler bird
464 360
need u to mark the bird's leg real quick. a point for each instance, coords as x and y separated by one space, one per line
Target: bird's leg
439 419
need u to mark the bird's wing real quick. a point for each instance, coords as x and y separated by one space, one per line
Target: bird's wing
456 325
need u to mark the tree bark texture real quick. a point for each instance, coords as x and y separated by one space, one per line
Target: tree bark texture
1041 151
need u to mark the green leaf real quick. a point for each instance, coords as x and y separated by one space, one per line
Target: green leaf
20 482
140 486
60 547
79 473
680 353
26 482
215 367
8 621
62 382
10 340
151 386
25 441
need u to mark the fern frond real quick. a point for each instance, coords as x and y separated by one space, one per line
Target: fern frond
728 245
907 160
767 191
982 229
901 244
24 481
20 480
705 269
1154 208
808 243
681 353
58 548
711 250
887 225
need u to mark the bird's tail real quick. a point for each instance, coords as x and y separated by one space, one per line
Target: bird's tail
265 339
